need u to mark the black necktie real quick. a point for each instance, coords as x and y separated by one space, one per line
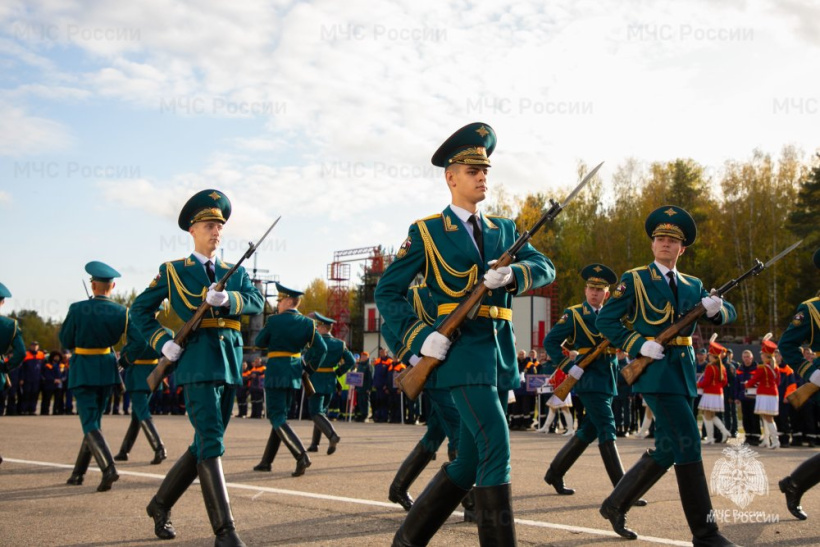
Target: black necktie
209 269
477 235
673 285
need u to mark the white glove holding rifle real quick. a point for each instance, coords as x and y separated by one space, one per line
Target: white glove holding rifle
436 345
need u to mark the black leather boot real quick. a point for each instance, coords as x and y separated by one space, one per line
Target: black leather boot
327 428
697 506
153 439
81 465
567 456
317 436
270 452
128 441
175 483
798 483
102 455
432 509
410 468
494 515
634 484
612 464
291 440
217 503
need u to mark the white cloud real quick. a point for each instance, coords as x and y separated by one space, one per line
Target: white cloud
22 133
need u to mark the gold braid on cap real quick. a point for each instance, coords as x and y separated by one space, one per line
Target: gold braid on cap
597 283
670 230
476 155
211 213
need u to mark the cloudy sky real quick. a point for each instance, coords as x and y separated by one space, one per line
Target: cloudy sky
113 114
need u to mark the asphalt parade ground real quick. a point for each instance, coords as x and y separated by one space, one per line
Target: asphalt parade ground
342 500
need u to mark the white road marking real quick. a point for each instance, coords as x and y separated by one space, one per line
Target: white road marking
328 497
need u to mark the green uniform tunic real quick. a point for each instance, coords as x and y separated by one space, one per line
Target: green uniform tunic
598 385
285 337
338 360
90 330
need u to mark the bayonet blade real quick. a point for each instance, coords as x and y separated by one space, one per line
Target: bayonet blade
581 185
782 253
256 245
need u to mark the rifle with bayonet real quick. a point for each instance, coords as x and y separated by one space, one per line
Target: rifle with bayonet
411 382
633 370
163 367
569 382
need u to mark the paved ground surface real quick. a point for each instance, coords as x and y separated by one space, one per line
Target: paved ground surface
342 499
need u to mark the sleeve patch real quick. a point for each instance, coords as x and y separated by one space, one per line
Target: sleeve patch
798 319
619 291
563 319
154 281
404 248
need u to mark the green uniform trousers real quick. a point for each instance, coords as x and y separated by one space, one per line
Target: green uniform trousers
443 421
677 437
277 404
139 405
599 420
484 441
209 406
91 402
319 403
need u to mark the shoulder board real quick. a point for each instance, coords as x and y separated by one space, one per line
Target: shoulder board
576 307
225 264
431 217
638 269
812 300
177 262
687 275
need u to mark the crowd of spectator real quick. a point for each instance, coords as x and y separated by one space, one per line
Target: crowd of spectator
39 387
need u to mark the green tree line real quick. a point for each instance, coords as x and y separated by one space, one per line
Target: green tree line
752 209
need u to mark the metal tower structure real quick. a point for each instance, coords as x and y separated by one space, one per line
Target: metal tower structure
338 273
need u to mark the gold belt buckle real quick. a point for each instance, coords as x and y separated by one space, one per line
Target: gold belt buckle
220 322
494 312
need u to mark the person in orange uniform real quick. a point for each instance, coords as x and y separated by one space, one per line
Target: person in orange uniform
766 378
712 383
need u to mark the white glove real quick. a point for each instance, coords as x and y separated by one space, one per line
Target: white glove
436 346
652 349
573 354
712 305
815 378
576 372
216 299
171 350
499 277
414 359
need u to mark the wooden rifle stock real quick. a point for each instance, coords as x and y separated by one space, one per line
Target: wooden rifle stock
633 370
802 394
309 389
569 382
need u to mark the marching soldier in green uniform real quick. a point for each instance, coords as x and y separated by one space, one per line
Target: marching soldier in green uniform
285 336
90 330
139 359
443 421
337 361
453 250
597 384
649 299
11 338
803 329
209 366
